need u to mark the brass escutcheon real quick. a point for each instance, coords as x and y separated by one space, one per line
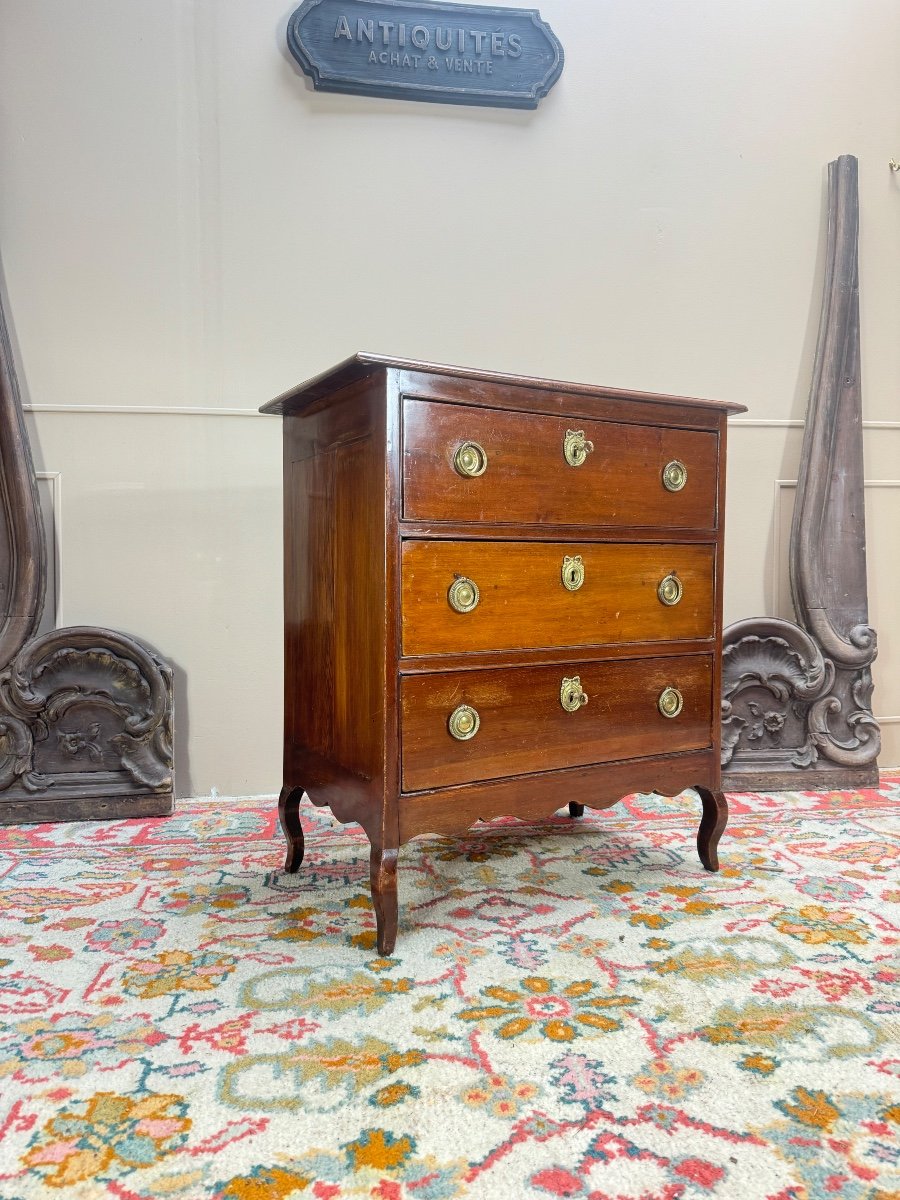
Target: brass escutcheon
572 695
463 723
572 572
576 447
674 476
670 702
463 594
670 590
470 460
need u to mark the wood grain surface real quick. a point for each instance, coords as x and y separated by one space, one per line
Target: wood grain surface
533 797
334 600
528 480
523 602
524 727
415 374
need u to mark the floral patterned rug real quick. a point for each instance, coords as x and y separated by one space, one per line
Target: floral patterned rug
575 1009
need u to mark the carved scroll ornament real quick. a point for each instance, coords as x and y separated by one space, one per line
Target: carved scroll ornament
85 713
796 698
780 696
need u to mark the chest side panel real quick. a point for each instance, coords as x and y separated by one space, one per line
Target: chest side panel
335 584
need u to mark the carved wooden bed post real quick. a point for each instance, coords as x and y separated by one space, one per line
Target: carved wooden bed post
796 698
85 713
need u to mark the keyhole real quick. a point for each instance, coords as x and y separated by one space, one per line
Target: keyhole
572 573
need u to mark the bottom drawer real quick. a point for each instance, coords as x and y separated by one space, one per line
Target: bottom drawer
521 720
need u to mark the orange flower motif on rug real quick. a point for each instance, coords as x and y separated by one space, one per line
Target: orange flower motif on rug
558 1013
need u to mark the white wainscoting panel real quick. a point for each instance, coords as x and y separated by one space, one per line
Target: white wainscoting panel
49 484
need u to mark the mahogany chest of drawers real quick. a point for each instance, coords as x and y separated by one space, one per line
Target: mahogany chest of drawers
502 595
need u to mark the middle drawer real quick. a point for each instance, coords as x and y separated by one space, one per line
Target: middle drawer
463 596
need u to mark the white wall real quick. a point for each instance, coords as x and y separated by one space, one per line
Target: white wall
188 229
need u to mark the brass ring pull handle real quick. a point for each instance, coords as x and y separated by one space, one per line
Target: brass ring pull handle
463 723
670 702
572 695
576 447
463 594
674 476
670 590
470 460
572 572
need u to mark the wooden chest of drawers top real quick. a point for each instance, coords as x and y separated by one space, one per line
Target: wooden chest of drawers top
524 437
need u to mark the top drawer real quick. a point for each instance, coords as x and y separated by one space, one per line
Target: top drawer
523 473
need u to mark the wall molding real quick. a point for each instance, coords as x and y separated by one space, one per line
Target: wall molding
766 423
54 478
143 410
763 423
213 411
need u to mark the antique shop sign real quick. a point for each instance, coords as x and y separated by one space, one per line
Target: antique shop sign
454 53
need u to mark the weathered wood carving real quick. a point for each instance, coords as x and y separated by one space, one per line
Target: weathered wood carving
796 704
85 713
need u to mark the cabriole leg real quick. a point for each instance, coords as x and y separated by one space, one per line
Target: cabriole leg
289 818
383 874
712 826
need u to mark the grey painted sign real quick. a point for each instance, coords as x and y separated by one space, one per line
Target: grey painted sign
452 53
